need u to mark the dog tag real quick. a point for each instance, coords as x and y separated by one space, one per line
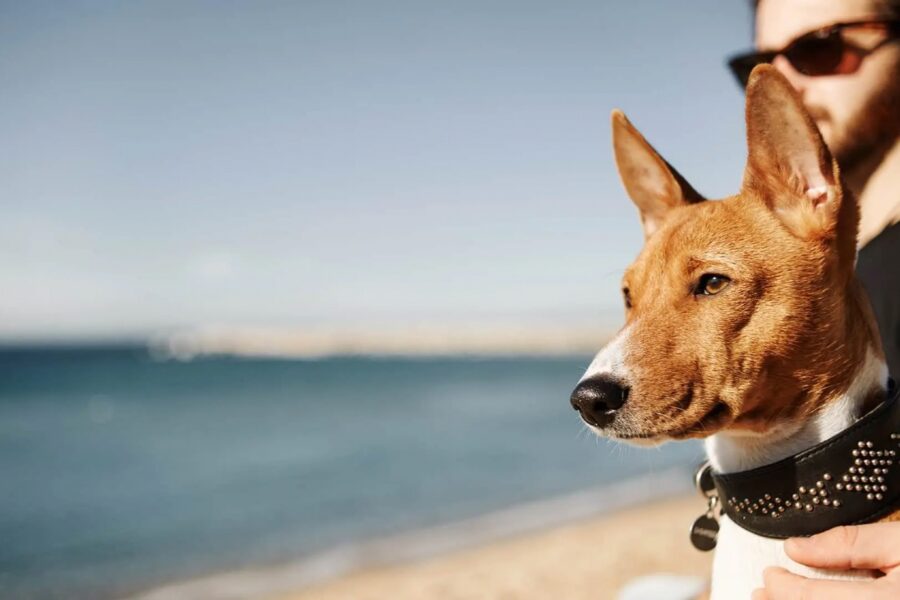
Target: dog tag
704 532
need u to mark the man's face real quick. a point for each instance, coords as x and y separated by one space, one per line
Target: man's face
858 113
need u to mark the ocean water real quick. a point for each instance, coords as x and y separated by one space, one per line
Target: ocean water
121 473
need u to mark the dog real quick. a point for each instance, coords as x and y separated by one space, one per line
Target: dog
746 326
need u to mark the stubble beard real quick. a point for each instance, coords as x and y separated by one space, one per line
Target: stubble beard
870 132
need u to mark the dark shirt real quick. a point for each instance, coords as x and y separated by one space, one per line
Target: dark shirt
878 267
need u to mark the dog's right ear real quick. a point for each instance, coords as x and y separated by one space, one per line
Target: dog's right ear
790 168
652 184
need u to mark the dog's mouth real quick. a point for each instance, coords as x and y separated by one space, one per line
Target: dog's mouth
714 418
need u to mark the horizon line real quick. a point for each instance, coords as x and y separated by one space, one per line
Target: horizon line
316 342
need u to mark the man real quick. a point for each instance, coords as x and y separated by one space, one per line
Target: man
843 57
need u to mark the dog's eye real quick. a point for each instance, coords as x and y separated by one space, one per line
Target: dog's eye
711 284
626 295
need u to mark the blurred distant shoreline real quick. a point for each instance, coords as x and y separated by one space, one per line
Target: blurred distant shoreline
316 343
414 341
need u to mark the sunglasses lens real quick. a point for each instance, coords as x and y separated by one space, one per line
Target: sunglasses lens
817 55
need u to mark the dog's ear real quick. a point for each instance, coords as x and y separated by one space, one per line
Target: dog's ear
653 185
789 165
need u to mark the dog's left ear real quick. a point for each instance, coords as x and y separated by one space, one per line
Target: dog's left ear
789 165
652 184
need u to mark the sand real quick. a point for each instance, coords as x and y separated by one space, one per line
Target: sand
590 559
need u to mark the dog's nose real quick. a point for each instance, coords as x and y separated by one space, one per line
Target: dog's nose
598 399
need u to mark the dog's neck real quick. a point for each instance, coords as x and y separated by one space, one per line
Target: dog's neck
730 451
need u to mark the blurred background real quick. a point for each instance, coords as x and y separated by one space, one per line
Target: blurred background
285 280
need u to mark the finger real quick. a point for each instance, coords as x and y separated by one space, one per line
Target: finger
783 585
873 546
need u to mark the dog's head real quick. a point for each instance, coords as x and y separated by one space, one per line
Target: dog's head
739 312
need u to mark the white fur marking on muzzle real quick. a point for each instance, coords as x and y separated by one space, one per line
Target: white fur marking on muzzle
610 362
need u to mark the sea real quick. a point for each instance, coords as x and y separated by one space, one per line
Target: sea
126 475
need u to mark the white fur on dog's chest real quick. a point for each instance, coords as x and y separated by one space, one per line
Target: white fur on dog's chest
740 559
742 556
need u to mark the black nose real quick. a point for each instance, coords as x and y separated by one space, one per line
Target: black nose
598 399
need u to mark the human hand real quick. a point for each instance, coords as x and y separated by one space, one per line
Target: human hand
874 547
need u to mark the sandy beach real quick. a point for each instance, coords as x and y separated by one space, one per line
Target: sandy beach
588 559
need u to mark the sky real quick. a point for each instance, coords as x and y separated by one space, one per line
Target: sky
322 163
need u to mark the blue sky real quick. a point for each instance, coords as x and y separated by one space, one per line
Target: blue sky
170 164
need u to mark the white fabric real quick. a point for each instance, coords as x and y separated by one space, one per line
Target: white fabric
663 586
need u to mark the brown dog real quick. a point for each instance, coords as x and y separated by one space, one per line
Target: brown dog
745 322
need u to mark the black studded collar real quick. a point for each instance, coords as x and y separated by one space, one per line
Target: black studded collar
851 478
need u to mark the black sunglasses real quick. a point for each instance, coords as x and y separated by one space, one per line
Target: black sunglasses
824 51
